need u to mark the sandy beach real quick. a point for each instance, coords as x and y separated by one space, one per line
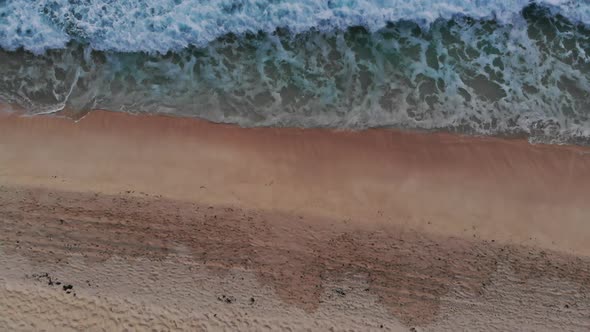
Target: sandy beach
119 221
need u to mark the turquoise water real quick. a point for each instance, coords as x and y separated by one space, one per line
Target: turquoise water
478 67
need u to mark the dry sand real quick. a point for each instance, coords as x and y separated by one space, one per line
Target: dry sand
181 224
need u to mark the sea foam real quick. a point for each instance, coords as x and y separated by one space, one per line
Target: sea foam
170 25
491 67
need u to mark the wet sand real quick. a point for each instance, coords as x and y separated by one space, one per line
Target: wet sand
195 225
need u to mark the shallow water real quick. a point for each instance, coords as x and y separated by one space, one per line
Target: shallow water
479 67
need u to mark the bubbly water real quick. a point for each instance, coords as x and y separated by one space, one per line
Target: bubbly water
492 67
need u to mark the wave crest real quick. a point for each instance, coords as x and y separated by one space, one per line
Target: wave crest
171 25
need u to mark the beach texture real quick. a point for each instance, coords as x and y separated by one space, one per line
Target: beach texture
294 165
147 222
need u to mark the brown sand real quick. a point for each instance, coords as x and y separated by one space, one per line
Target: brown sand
193 225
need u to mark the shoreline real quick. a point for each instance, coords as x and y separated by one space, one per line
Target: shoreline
191 225
493 188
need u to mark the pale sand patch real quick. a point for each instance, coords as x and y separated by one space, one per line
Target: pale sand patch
141 294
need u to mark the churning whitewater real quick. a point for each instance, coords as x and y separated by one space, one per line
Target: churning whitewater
171 25
490 67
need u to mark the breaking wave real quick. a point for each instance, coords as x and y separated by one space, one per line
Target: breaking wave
489 67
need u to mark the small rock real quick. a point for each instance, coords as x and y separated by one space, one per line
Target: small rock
340 291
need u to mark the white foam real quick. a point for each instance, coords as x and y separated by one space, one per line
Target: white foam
163 25
528 74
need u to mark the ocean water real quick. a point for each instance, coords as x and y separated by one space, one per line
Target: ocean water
486 67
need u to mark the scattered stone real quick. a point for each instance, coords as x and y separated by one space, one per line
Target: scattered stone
340 291
226 299
252 300
44 276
